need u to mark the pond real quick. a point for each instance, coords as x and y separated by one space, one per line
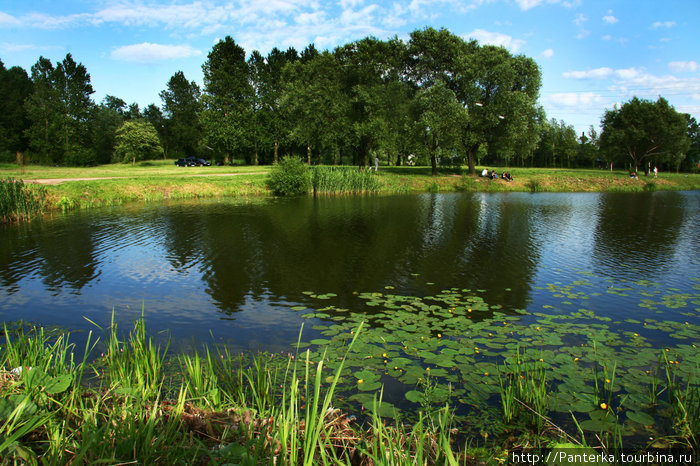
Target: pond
432 274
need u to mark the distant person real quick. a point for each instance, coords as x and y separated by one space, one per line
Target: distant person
485 172
506 176
633 175
656 171
494 175
376 164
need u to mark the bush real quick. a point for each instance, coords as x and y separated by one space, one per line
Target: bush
290 177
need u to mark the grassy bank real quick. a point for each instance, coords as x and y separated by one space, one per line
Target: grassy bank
135 402
130 400
69 188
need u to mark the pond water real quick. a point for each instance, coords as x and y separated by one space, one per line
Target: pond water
600 290
232 272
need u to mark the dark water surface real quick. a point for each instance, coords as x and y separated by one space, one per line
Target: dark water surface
232 272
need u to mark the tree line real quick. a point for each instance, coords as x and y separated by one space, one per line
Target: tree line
436 99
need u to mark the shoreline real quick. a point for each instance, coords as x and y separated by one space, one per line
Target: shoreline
104 186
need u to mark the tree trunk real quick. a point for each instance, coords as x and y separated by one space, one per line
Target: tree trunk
335 157
471 150
274 157
133 160
255 159
308 155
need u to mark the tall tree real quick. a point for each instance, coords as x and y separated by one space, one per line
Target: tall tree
441 119
109 116
60 110
273 91
643 131
226 99
368 66
181 108
316 104
74 90
15 88
43 110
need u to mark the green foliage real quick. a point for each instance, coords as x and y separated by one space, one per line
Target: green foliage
19 201
642 130
136 140
290 177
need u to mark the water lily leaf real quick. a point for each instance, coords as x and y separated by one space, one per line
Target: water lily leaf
640 417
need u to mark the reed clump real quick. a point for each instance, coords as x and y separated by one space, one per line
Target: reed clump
19 202
344 180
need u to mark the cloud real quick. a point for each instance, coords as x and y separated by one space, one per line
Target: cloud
496 38
598 73
681 66
663 24
609 18
574 99
549 53
147 52
8 20
8 47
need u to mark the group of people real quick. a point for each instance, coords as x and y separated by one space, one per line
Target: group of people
494 176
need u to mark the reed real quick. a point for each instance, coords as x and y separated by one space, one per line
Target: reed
344 180
19 202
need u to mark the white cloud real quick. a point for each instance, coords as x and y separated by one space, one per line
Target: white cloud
496 38
549 53
580 19
663 24
574 99
9 47
527 4
681 66
628 73
610 19
8 20
607 37
598 73
147 52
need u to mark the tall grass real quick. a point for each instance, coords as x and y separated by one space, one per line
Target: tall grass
344 180
19 202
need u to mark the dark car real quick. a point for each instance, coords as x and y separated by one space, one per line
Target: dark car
181 163
197 162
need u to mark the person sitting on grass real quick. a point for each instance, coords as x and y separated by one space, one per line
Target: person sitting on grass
506 176
633 175
485 172
494 175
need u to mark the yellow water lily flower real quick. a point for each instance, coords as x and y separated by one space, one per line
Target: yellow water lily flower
359 381
603 406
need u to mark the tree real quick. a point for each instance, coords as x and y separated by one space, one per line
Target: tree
226 98
136 140
108 117
181 108
15 88
60 110
642 132
316 104
441 118
154 116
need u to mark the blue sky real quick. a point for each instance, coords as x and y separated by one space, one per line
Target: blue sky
593 54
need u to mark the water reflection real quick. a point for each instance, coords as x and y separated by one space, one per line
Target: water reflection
232 271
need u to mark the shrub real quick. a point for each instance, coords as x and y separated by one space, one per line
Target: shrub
290 177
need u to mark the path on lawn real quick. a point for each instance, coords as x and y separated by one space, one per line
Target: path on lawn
64 180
